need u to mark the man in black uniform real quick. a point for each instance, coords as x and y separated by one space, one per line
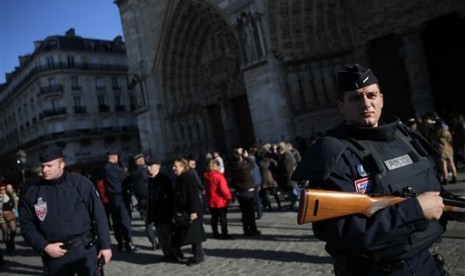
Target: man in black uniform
60 217
114 177
366 155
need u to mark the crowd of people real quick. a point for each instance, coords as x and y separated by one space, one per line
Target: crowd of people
251 177
172 204
447 136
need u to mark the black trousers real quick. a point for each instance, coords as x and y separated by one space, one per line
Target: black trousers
80 260
219 215
165 234
197 251
121 219
247 206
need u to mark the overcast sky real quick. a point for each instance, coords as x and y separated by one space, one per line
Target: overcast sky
24 21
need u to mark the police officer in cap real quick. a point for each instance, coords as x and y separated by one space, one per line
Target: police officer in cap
115 177
61 216
366 155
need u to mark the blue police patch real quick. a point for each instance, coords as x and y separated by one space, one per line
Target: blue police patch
363 185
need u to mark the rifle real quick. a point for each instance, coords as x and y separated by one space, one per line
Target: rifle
317 205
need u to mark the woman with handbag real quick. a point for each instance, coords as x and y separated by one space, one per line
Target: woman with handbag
7 218
188 212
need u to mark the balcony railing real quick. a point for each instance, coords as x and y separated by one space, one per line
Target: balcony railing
52 112
120 108
52 89
80 109
103 108
63 66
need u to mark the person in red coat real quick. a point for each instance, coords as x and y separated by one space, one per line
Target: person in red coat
218 196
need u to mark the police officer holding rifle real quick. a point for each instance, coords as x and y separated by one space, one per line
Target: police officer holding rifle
367 155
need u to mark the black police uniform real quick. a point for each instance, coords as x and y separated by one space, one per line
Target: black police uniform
65 210
114 177
139 180
380 160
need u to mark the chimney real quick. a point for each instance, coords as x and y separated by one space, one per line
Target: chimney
37 44
23 59
70 32
118 40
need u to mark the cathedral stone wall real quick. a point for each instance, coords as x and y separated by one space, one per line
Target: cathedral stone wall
194 61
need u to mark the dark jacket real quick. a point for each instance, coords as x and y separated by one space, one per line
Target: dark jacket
240 174
187 201
268 181
114 177
285 168
160 199
396 232
139 178
61 209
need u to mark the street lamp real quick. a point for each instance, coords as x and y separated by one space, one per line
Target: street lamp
21 158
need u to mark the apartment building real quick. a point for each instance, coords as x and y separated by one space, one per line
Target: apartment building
72 91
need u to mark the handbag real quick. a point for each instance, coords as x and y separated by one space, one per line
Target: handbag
8 215
181 219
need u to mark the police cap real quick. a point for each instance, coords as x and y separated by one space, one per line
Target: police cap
137 156
354 77
113 152
50 152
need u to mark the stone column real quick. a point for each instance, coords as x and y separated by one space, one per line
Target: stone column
267 102
415 63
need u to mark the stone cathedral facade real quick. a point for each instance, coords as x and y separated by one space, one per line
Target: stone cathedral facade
221 74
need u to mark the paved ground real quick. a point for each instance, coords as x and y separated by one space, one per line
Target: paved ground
284 248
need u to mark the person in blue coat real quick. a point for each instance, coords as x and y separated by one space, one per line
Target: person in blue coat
63 219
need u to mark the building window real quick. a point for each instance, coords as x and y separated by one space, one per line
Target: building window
77 101
115 84
99 83
55 104
52 82
75 83
50 62
78 108
118 105
101 100
132 103
118 100
71 63
102 107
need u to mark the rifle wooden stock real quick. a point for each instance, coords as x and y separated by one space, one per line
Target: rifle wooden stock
316 205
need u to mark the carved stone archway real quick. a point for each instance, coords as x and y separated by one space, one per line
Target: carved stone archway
200 73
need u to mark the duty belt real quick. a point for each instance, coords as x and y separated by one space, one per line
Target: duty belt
351 264
86 239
